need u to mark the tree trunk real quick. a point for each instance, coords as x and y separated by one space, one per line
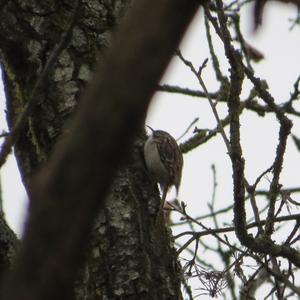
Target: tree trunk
129 256
30 31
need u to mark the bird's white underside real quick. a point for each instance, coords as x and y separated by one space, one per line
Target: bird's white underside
154 163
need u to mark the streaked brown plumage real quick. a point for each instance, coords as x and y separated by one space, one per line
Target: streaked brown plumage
163 160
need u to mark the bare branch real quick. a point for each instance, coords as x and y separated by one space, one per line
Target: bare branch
213 106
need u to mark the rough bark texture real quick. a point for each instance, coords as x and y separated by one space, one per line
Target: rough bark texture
29 32
129 257
8 246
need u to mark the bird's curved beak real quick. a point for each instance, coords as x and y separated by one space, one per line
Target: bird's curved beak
150 128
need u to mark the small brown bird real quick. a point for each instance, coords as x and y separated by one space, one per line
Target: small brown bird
164 161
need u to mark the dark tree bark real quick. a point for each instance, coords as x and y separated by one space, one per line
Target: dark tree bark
30 31
8 247
129 257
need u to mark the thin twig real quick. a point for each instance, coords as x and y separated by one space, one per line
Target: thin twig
213 106
202 137
231 228
279 276
215 61
251 192
188 128
184 91
284 132
248 103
